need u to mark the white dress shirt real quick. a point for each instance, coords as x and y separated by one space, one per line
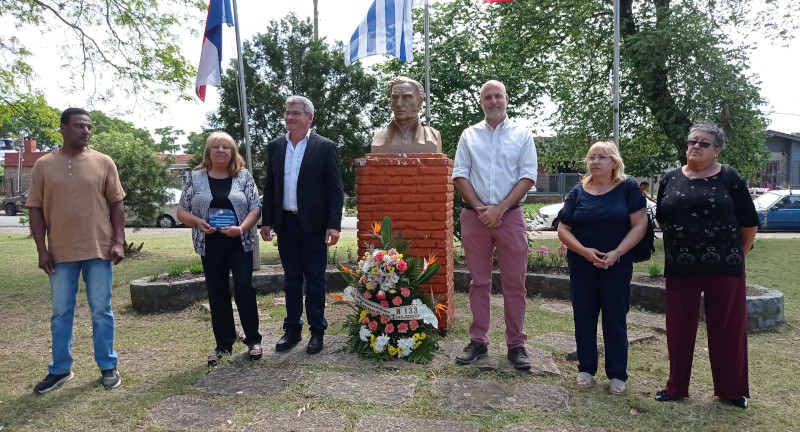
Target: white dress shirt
493 160
291 169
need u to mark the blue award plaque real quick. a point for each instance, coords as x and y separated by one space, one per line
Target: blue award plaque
219 218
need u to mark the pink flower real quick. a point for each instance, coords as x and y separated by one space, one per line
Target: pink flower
402 266
413 324
389 329
379 256
384 303
405 292
402 328
365 320
384 319
367 295
397 300
373 325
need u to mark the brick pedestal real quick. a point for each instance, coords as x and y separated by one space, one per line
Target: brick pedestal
415 191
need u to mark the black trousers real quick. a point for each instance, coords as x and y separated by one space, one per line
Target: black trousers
304 257
225 256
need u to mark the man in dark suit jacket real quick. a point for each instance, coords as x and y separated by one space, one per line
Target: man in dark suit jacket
303 199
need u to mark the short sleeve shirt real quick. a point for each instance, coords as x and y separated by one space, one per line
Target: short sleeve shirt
74 194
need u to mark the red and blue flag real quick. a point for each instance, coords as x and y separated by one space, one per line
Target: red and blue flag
209 72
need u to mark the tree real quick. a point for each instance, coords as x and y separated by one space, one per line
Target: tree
168 138
143 177
130 44
102 123
677 67
287 60
195 146
31 116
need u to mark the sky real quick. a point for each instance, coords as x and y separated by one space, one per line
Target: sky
777 66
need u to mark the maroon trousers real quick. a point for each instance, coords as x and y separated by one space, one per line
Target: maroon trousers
726 322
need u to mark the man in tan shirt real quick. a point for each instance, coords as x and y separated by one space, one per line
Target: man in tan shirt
75 201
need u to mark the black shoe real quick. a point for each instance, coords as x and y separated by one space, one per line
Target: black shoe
51 381
314 344
111 378
288 341
472 352
740 402
519 358
663 396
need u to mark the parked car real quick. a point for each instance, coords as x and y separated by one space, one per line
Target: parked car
547 217
11 206
779 210
167 217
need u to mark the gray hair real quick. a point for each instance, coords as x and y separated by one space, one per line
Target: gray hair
406 80
711 129
308 107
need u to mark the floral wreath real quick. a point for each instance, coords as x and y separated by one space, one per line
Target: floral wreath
391 317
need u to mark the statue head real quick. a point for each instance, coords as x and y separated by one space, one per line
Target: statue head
407 96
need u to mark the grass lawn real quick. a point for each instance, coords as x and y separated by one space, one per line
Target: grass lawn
164 354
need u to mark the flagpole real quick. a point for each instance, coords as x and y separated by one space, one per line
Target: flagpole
427 72
616 72
245 124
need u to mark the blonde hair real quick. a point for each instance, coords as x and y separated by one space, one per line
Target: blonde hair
235 165
610 149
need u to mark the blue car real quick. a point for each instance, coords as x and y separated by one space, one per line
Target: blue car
779 210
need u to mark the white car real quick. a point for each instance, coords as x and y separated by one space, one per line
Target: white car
167 216
547 217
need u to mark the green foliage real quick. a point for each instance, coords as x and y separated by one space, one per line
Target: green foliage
25 219
132 44
103 123
543 256
196 268
29 115
287 60
654 269
169 137
143 177
196 146
175 270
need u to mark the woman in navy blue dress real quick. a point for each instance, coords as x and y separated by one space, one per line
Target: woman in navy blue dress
603 218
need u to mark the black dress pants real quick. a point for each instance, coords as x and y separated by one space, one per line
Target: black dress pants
225 256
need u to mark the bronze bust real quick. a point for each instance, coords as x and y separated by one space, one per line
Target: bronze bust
405 134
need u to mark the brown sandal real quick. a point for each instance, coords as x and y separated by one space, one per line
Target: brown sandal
255 351
216 356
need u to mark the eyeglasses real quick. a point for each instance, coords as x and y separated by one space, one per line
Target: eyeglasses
294 113
601 158
702 144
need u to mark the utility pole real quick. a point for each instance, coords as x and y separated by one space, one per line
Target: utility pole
316 21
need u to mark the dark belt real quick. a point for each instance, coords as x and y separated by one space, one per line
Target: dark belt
469 207
290 211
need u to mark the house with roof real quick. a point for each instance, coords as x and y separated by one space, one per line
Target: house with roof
783 168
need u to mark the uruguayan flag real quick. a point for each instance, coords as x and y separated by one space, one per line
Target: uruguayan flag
386 30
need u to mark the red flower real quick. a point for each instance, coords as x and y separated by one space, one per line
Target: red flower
413 324
365 320
367 295
389 328
405 292
402 266
384 319
397 300
402 328
380 295
379 256
384 303
373 325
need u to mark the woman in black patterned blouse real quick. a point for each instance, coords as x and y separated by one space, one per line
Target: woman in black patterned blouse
709 223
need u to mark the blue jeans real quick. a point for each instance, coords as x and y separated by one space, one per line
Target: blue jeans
64 289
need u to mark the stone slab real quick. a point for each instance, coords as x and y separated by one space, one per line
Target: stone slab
405 424
178 413
530 428
483 395
332 354
384 389
635 337
564 343
301 420
654 322
249 381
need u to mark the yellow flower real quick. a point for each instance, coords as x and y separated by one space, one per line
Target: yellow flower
374 270
416 336
422 336
392 291
391 270
399 256
372 339
399 351
363 314
392 350
416 345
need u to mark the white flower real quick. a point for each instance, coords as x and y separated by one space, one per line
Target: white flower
364 333
416 302
407 344
381 342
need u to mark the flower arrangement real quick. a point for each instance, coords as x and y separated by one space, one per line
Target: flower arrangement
545 257
391 317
